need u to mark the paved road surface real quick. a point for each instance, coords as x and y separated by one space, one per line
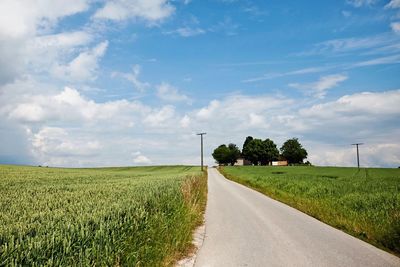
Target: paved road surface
246 228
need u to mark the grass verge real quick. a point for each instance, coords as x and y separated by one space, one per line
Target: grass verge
140 216
364 203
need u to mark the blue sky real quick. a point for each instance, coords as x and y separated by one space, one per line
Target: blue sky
111 83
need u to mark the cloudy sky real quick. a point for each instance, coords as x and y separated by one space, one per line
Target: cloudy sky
130 82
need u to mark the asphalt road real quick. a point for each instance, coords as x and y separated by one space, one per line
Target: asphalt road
246 228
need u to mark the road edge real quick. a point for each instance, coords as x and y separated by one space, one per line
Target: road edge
198 240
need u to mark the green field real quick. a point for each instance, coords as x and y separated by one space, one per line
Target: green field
364 203
141 216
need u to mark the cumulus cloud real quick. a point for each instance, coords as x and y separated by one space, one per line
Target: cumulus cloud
149 10
34 55
169 93
70 106
371 155
15 144
19 18
370 117
319 88
84 66
240 112
140 159
395 26
66 128
46 50
207 112
185 121
56 142
159 117
393 4
24 26
133 77
363 104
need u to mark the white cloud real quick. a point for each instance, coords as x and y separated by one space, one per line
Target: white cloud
360 3
54 145
372 118
133 78
256 120
169 93
240 112
141 159
272 75
206 112
36 54
19 18
346 13
371 155
187 31
159 117
83 67
63 40
346 45
63 125
185 121
319 88
65 128
393 4
364 104
28 44
149 10
395 26
393 59
70 106
28 112
226 26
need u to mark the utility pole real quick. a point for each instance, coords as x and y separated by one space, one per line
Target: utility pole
201 137
358 155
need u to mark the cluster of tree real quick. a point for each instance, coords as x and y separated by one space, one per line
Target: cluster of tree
261 152
226 154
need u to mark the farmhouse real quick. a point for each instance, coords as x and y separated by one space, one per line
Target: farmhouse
242 162
280 163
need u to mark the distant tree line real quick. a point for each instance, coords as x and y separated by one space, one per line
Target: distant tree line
261 152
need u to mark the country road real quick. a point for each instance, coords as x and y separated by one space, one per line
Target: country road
246 228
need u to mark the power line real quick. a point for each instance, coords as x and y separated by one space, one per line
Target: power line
358 155
201 137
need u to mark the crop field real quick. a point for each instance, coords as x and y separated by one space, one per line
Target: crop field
139 216
364 203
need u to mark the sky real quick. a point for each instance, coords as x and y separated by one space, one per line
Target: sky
118 83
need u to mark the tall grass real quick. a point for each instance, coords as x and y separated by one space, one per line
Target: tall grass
364 203
111 216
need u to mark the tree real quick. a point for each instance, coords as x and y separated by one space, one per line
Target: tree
246 142
269 152
221 154
234 153
258 151
293 151
253 151
226 154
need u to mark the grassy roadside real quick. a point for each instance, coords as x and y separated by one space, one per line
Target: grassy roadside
194 191
140 216
365 203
